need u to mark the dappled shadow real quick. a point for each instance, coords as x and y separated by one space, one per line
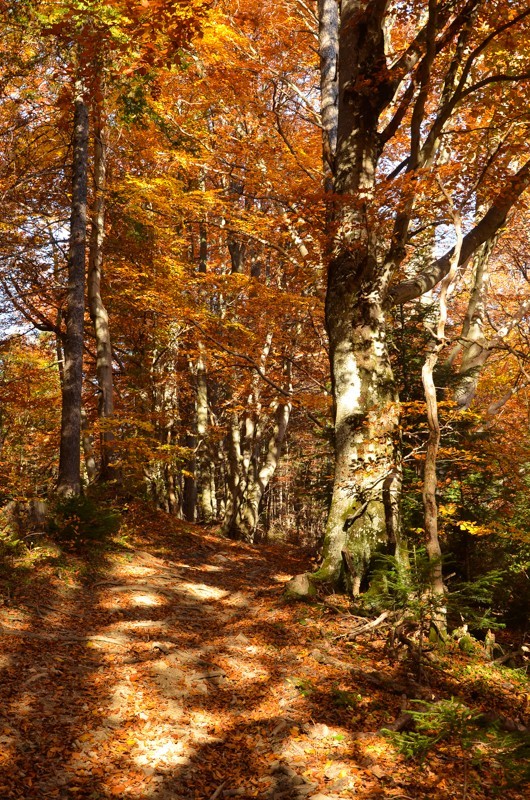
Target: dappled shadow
50 672
182 674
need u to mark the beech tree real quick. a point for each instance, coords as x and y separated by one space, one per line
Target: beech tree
409 80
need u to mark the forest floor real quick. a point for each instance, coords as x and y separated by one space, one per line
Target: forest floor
171 668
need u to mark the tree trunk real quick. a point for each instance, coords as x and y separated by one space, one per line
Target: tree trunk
88 448
205 470
328 45
364 509
189 498
430 479
248 485
377 97
98 312
69 482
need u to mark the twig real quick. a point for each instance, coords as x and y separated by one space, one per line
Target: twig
368 626
218 791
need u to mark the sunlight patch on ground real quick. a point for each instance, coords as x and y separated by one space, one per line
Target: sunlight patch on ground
203 591
142 624
135 571
144 600
120 695
161 750
248 671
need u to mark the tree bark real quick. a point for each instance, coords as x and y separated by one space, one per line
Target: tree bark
205 467
69 481
189 498
364 508
328 45
88 448
247 482
98 312
430 478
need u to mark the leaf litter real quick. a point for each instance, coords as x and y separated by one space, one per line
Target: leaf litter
174 670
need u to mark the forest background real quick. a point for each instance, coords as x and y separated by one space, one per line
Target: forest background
180 184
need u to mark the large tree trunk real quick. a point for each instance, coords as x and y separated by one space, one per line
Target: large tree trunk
98 312
69 482
364 509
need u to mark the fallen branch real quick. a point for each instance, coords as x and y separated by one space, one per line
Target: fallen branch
404 722
368 626
218 791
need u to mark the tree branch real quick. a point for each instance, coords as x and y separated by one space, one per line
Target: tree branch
488 226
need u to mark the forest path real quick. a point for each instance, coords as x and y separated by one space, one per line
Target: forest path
175 671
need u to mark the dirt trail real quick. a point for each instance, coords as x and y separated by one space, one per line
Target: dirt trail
179 674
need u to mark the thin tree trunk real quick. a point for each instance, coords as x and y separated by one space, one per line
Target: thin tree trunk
204 461
88 448
98 312
328 45
69 482
430 479
189 499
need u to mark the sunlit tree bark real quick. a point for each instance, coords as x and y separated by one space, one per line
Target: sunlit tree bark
69 482
98 312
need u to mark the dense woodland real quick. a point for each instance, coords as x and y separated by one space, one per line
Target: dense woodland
264 292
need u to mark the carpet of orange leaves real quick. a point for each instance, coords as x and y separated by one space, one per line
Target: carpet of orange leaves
172 669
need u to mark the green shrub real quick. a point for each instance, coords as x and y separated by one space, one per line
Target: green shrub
79 521
435 723
453 722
